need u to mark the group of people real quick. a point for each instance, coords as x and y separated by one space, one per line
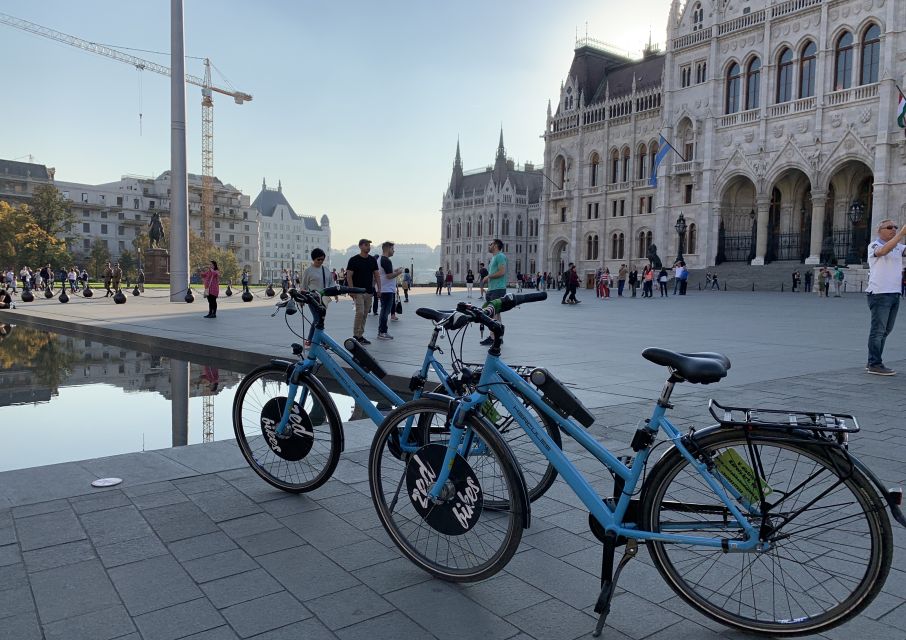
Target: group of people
604 282
381 282
45 278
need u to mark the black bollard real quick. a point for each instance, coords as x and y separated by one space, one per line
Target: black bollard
87 292
135 291
48 293
269 292
229 291
27 295
190 297
63 297
284 295
119 297
246 296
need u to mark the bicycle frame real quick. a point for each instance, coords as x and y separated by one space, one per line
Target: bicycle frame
503 380
320 355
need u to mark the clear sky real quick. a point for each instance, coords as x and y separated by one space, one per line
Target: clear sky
357 104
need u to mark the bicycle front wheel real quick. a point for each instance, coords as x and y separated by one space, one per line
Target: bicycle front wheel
828 537
458 538
306 457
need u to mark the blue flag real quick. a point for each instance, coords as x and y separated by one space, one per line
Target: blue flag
663 147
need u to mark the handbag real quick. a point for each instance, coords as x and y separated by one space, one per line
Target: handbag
205 292
399 304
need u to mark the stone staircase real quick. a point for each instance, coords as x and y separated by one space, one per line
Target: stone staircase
775 276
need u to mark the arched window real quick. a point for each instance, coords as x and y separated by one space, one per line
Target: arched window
753 83
626 156
785 76
506 226
621 245
807 63
588 248
843 62
478 229
614 245
491 226
871 54
698 16
449 230
595 247
595 167
614 167
733 88
652 154
693 239
468 228
643 162
641 249
561 172
518 226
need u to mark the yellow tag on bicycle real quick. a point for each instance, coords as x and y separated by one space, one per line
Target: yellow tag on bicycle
741 476
489 412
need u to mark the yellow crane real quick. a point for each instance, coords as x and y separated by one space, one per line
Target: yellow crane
207 101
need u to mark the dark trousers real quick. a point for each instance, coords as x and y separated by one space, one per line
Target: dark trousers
212 305
682 287
620 285
387 301
883 307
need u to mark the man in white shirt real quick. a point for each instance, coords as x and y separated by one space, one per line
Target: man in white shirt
885 263
388 288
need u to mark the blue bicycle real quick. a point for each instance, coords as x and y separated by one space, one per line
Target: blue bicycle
289 429
764 522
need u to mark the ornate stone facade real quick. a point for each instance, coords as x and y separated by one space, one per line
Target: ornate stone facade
500 201
785 116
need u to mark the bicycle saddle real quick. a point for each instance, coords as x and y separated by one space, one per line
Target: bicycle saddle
432 314
698 368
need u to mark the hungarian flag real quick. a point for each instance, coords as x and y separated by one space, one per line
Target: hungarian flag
901 111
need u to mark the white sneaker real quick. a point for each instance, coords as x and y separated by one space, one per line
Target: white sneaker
384 336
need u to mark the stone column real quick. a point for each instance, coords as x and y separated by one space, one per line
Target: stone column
817 233
179 402
761 245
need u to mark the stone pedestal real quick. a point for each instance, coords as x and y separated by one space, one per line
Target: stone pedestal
156 264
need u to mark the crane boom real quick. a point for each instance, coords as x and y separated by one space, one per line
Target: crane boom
207 102
92 47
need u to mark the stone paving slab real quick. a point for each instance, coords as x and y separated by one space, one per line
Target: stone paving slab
194 545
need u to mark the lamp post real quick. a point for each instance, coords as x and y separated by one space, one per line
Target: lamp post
680 227
803 239
856 210
752 245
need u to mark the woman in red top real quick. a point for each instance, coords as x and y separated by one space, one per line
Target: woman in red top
211 278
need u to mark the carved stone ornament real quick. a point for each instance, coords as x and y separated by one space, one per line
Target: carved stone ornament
778 130
728 141
802 126
749 136
836 120
865 116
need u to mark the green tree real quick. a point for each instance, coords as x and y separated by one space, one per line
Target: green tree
98 256
50 211
228 264
127 264
24 242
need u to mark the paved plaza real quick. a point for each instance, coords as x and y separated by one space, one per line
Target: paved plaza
194 545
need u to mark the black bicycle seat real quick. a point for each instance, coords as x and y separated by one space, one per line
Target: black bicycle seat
698 368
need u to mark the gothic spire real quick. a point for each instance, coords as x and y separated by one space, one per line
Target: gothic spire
501 152
456 178
458 161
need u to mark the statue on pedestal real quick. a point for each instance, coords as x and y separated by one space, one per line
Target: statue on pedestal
155 231
653 257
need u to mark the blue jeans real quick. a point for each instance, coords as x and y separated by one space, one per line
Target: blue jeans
883 308
387 302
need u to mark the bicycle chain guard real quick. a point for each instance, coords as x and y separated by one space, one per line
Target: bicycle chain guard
300 438
461 503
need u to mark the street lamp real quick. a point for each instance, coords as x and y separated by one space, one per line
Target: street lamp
856 210
752 245
680 227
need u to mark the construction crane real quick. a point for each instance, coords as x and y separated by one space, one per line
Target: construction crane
207 101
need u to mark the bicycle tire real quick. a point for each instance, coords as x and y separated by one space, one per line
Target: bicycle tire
538 471
797 587
494 534
300 466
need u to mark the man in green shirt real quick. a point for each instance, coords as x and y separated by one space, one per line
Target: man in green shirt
496 278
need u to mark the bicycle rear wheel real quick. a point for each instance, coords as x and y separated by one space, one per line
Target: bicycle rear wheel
307 457
828 531
459 538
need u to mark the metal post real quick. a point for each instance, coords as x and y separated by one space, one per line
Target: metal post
179 188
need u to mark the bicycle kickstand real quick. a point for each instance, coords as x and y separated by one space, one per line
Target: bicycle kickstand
608 582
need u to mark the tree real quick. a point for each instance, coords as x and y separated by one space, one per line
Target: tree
50 211
127 264
23 242
99 255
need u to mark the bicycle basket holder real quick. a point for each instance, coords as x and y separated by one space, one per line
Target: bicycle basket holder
820 421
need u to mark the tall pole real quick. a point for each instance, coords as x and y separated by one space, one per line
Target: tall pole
179 188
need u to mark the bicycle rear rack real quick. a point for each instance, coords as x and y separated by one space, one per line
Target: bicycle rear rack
820 421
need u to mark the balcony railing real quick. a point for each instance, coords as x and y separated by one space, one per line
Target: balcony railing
791 6
685 167
742 22
805 104
692 38
619 186
593 191
558 194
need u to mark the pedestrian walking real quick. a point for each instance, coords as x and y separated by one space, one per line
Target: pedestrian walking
482 274
6 300
108 279
647 282
633 281
683 278
885 264
211 278
662 278
449 282
439 276
677 269
72 276
362 272
141 280
715 284
388 277
809 278
84 278
838 281
605 284
470 281
621 279
116 276
316 278
407 283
